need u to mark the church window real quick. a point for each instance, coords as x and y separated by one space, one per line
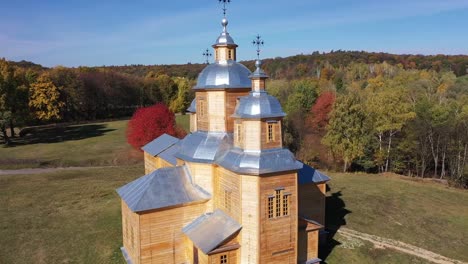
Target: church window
239 133
270 206
202 108
230 54
223 259
271 132
227 200
278 204
285 204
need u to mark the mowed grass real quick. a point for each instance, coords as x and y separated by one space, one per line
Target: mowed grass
425 214
63 217
363 252
95 144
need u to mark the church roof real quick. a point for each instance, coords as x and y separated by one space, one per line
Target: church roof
193 106
209 231
265 161
258 105
169 154
308 175
165 187
224 74
203 146
160 144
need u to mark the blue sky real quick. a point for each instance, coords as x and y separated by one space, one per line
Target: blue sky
100 32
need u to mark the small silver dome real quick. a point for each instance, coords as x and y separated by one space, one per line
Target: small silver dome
227 74
258 105
224 39
193 106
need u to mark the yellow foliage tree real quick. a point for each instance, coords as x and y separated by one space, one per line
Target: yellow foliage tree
45 99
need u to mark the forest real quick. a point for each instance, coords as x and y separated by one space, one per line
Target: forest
346 110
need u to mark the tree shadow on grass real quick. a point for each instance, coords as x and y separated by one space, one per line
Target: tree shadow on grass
335 218
59 133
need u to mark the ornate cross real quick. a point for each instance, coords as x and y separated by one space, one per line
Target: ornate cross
258 42
225 2
207 54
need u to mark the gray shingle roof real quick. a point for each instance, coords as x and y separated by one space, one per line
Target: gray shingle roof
162 188
308 174
209 231
160 144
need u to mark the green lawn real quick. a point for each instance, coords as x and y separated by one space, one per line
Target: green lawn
96 144
63 217
428 215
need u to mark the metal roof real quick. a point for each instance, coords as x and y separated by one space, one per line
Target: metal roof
169 154
224 39
258 73
210 230
159 144
266 161
203 146
193 106
308 175
258 105
224 74
162 188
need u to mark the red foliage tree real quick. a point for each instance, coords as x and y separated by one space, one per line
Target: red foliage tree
148 123
322 108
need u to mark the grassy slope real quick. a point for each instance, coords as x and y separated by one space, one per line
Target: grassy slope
97 144
424 214
78 145
63 217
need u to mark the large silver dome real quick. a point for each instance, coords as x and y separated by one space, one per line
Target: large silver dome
224 74
258 105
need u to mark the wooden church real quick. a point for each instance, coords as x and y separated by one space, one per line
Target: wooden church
229 192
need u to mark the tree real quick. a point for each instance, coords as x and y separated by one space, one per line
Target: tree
45 99
148 123
322 108
347 132
184 96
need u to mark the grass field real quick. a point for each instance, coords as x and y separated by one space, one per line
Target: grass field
74 216
96 144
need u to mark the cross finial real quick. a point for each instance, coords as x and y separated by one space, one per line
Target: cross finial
207 55
258 42
224 2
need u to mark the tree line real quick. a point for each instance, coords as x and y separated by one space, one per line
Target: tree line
36 95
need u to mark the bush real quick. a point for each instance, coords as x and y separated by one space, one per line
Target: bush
148 123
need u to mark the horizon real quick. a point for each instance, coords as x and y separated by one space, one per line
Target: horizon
148 33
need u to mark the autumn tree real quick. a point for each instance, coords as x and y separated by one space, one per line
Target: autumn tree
347 131
44 99
148 123
184 96
322 108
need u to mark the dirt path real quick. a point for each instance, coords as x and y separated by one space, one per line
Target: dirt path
400 246
45 170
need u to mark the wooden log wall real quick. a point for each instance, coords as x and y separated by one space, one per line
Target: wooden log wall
202 175
227 193
161 237
277 134
250 237
131 233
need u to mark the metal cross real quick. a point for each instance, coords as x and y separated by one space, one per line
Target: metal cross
224 5
258 42
207 54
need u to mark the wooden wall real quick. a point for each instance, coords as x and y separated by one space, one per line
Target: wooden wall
131 233
231 102
161 237
193 122
232 257
278 140
216 111
278 235
251 137
202 175
250 236
151 163
227 183
202 120
312 201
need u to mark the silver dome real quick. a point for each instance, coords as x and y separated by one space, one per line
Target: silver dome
224 39
258 105
225 74
193 106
